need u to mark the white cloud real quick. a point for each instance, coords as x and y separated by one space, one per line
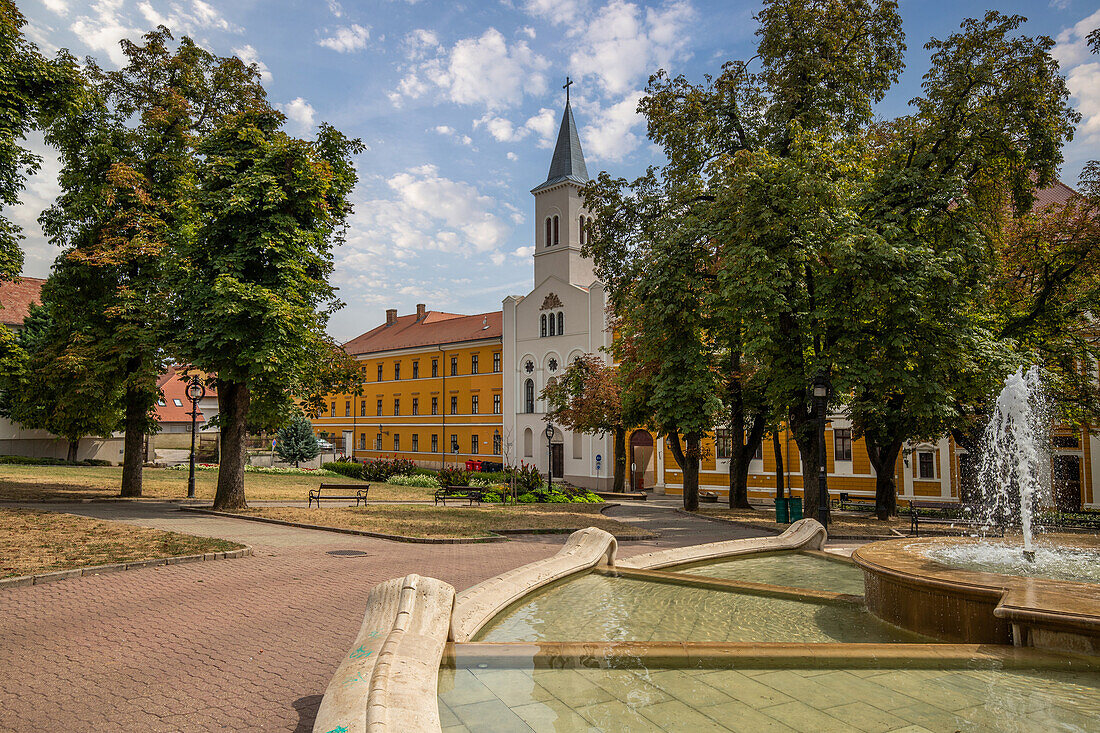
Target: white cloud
58 7
249 56
300 112
1082 70
41 190
558 12
345 40
104 27
459 206
448 131
512 156
505 131
475 71
191 17
335 8
543 124
611 136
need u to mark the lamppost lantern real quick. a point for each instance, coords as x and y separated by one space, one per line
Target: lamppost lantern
196 390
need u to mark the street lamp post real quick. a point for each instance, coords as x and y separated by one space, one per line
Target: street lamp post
549 432
821 406
196 390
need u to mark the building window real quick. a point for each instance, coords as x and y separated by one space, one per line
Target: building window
758 454
416 443
474 448
550 318
529 396
496 404
926 464
473 405
528 442
578 446
561 322
473 364
542 325
552 365
723 444
332 410
496 444
379 372
454 443
556 231
378 408
396 406
416 370
454 405
347 408
378 442
362 408
549 232
842 444
435 405
581 220
435 443
396 442
397 370
362 441
454 366
496 361
416 406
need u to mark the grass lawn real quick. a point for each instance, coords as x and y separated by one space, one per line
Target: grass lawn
69 483
33 542
431 521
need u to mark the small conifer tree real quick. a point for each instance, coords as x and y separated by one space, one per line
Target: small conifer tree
296 441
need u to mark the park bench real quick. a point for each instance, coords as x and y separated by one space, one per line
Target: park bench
948 513
847 504
469 493
360 494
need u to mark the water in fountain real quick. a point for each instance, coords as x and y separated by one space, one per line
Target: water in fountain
1015 469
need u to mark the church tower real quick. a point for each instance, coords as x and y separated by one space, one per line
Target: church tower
561 221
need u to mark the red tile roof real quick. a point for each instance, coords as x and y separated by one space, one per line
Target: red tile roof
1056 195
434 328
173 383
17 297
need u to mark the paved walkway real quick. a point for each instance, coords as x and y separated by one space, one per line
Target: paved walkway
245 644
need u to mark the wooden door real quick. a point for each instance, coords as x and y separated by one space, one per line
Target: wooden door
1066 482
557 459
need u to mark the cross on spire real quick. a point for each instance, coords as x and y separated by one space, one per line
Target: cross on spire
568 83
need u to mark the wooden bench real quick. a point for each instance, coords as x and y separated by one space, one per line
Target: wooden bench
941 512
360 494
847 504
469 493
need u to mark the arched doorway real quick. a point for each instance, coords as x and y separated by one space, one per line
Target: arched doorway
642 472
557 454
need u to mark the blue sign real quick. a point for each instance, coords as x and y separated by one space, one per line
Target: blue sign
598 458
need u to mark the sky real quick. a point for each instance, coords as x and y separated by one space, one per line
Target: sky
458 103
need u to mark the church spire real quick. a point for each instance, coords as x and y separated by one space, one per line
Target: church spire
568 161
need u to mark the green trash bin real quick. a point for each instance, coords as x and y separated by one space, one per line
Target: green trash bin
781 511
796 509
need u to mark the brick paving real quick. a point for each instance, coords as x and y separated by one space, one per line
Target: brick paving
243 645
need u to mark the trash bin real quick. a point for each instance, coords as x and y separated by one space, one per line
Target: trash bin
782 509
795 509
473 466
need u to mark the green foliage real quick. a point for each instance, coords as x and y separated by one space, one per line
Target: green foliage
417 479
381 469
345 468
454 477
528 478
296 441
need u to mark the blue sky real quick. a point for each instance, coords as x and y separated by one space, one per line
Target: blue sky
459 102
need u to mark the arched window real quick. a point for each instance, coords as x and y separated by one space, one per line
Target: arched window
561 322
528 442
556 240
542 328
529 396
551 319
583 228
549 241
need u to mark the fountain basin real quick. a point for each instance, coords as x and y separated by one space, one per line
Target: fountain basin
906 588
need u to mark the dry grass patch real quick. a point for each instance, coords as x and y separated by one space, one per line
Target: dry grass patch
33 542
73 483
441 522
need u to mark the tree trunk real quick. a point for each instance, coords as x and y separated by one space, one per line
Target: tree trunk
620 459
884 459
805 436
70 455
688 460
134 443
233 404
740 457
778 450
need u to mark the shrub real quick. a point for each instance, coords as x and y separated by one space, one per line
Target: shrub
96 462
380 469
528 478
345 468
454 477
416 479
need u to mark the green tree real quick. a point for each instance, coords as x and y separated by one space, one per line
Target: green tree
587 398
127 202
35 89
254 291
296 441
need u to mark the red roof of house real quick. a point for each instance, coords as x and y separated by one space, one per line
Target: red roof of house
173 384
434 328
17 297
1057 194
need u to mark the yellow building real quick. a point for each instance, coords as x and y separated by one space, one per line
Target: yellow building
431 391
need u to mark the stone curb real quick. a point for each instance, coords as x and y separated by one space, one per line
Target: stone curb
22 580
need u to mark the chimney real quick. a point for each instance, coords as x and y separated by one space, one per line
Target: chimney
421 309
391 316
